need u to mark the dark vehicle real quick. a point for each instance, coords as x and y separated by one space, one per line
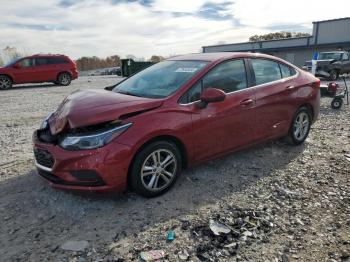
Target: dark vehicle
330 64
130 67
112 71
59 69
177 113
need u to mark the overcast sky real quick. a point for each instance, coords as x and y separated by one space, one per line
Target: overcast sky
146 27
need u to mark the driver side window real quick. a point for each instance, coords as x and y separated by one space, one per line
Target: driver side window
345 56
28 62
228 76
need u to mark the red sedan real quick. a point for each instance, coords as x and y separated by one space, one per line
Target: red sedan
174 114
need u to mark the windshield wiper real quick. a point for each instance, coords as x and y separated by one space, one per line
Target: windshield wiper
128 93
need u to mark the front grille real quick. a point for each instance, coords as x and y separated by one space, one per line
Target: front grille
43 157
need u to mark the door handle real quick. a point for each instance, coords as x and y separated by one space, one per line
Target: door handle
246 102
290 88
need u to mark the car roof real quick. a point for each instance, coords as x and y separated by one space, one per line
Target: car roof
45 55
212 57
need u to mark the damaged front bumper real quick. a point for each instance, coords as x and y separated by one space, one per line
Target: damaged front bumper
102 169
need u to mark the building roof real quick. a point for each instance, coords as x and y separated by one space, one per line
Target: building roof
333 35
332 20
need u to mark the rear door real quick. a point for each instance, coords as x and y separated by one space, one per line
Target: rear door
47 68
223 126
275 92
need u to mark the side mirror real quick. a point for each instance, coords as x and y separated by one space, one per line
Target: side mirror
211 95
109 88
16 66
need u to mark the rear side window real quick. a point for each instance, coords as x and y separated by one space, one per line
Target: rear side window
287 71
228 76
265 71
57 60
40 61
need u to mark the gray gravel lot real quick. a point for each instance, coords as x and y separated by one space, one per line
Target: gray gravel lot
304 191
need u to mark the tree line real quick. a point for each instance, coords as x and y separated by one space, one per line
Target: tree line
277 35
94 62
10 54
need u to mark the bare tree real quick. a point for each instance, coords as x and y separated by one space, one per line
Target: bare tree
131 57
11 54
156 58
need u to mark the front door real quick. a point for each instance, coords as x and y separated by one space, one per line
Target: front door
223 126
26 72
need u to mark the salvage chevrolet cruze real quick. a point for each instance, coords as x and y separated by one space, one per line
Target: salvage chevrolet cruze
174 114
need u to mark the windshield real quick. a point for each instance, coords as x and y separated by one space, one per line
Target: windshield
13 61
161 79
326 56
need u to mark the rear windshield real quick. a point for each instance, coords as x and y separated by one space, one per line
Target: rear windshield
161 79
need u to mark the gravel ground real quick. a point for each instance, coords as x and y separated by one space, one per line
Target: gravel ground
279 203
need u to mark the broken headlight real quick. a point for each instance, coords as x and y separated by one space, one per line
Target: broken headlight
44 123
92 141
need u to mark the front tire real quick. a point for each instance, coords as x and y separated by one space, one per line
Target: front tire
155 169
300 126
337 103
64 79
5 82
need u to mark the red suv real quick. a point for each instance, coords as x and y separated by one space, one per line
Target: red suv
174 114
59 69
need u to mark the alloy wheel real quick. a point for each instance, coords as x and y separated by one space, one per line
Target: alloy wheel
301 126
5 82
158 170
65 79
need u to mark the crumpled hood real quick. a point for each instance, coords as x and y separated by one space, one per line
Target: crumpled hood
85 108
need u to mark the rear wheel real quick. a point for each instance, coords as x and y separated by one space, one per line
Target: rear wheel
155 169
5 82
300 127
64 79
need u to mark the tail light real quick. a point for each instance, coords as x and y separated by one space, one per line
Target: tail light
316 84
